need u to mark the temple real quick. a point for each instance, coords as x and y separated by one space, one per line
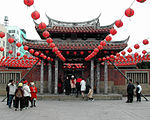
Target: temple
75 41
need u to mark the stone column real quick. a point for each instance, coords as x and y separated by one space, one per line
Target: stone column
49 78
98 78
105 78
42 77
56 76
92 74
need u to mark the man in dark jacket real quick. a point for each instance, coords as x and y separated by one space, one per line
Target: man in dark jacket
130 91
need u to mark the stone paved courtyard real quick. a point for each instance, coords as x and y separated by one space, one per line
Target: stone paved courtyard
80 110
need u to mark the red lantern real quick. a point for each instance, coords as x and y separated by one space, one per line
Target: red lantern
36 53
145 42
49 40
103 43
117 54
10 40
25 56
28 2
10 51
129 12
113 31
41 55
89 51
31 51
45 34
100 47
144 52
35 15
81 52
107 58
141 1
52 45
103 58
18 44
26 47
136 46
48 58
67 52
55 49
129 50
112 56
75 53
44 57
123 52
119 23
96 50
1 49
18 53
136 54
42 26
108 38
99 59
2 34
47 51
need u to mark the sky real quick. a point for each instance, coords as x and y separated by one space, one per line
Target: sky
137 26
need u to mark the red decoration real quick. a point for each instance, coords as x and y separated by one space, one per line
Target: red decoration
1 49
89 51
103 43
103 58
48 58
2 34
35 15
81 52
141 1
113 31
67 52
117 54
18 44
49 40
145 42
96 50
55 49
136 46
107 58
42 26
44 57
52 45
119 23
28 2
129 12
144 51
123 52
100 47
108 38
129 50
18 53
26 47
36 53
136 54
47 51
41 55
25 56
112 56
99 59
10 51
10 40
75 53
45 34
31 51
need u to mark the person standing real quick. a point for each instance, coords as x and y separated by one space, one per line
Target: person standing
33 90
83 87
78 87
73 84
90 93
130 91
7 91
19 97
138 92
27 94
12 89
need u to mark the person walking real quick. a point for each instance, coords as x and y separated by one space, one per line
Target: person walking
130 91
83 87
73 84
78 87
27 94
138 92
12 89
33 90
19 94
90 93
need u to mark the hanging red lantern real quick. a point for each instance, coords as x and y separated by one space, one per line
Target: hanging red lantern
35 15
81 52
25 56
55 49
107 58
136 54
136 46
129 50
28 2
123 52
103 43
36 53
1 49
96 50
113 31
108 38
18 44
31 51
2 34
141 1
26 47
30 58
10 40
49 40
129 12
100 47
42 26
89 51
103 58
45 34
75 53
18 53
67 52
145 42
44 57
10 51
99 59
52 45
117 54
105 52
41 55
119 23
144 52
112 56
48 58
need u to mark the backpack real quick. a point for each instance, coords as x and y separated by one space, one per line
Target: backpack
19 93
